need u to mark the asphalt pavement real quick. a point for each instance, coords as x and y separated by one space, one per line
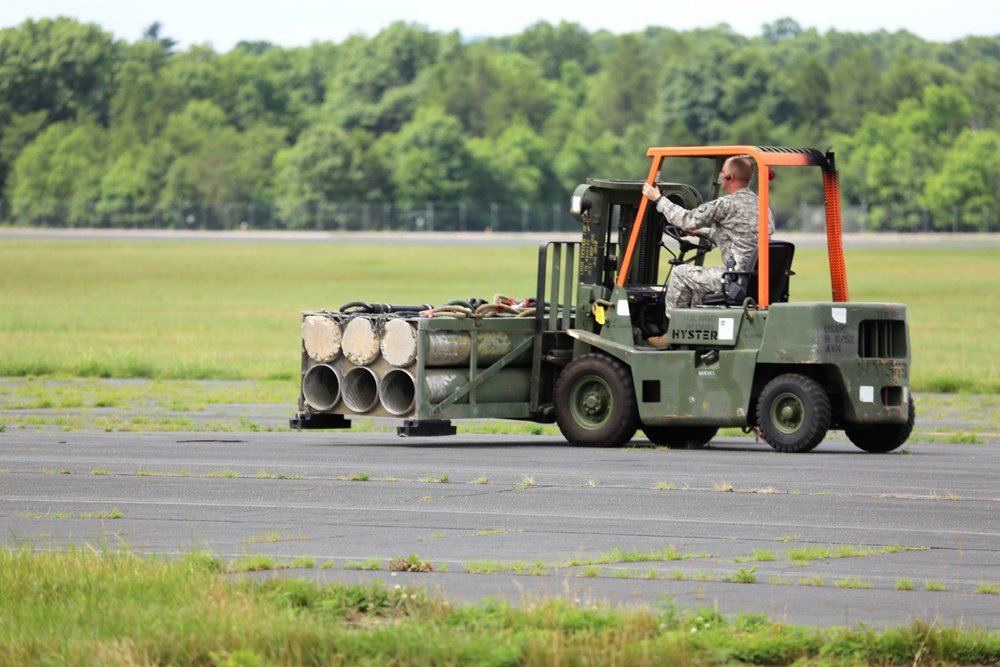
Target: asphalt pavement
824 538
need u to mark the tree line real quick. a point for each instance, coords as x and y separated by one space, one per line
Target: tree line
412 126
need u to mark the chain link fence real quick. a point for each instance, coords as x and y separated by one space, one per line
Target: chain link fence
316 216
448 217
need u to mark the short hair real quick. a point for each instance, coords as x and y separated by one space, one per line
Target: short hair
740 168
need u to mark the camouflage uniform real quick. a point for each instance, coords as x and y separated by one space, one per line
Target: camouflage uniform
732 224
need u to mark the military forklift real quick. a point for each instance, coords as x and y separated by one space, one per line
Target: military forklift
575 353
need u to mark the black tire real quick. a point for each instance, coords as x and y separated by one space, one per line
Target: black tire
883 438
680 437
793 413
595 402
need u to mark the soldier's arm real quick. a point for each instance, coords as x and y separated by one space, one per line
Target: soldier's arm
690 221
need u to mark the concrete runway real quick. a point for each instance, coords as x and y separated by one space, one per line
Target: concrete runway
542 504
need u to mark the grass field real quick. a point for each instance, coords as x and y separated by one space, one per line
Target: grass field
217 310
181 311
87 606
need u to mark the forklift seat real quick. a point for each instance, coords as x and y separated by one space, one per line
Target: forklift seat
740 284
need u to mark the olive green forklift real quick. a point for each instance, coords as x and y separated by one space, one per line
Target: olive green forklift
575 353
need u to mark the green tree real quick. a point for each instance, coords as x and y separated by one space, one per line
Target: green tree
55 70
855 91
689 98
904 80
252 94
488 90
304 73
428 159
810 94
515 167
20 131
153 34
57 65
142 101
781 30
552 46
194 74
982 88
131 188
624 90
214 164
377 84
967 182
889 160
327 165
56 179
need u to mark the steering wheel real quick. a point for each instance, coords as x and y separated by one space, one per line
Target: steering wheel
703 243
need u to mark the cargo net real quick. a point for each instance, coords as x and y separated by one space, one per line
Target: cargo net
380 313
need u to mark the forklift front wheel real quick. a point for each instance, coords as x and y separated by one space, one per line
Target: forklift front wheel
595 402
794 413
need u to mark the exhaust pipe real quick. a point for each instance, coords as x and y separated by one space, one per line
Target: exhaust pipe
361 389
321 387
398 392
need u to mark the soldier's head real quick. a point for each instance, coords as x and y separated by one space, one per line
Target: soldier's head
736 173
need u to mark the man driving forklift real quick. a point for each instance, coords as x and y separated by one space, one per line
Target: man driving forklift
730 222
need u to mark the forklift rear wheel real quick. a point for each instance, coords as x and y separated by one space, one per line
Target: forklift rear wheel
794 413
884 437
680 437
595 402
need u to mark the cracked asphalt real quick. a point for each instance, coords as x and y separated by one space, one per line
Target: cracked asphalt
824 538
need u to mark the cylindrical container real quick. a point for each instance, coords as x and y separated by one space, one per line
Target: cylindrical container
510 385
360 389
397 392
321 387
360 341
321 338
399 343
453 348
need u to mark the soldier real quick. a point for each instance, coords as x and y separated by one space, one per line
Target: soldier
731 222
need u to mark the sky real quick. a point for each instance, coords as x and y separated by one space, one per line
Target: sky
223 23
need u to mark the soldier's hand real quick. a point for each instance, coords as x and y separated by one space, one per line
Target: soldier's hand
651 191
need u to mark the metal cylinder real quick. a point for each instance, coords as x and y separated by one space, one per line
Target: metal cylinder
321 387
454 348
360 389
445 348
398 391
360 342
321 338
399 343
510 385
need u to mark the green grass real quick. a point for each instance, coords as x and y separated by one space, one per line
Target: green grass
619 555
211 310
742 576
810 553
91 607
189 310
367 564
759 555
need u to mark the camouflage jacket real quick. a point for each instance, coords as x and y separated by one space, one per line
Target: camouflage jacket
731 221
